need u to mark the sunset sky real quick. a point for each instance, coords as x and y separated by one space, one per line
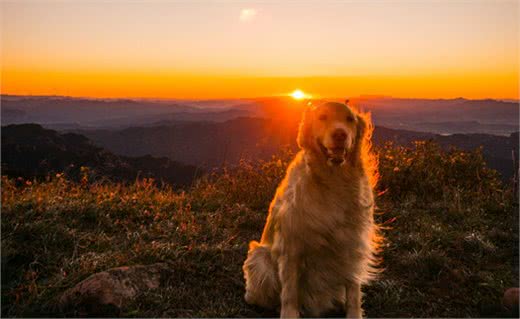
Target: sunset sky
228 49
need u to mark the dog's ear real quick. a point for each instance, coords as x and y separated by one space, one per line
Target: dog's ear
361 129
304 138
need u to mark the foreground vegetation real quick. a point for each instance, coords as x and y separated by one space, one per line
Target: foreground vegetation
451 229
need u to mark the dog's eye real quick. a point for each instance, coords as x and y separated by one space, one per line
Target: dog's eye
350 119
323 117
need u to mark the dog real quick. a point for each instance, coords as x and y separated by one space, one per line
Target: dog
320 241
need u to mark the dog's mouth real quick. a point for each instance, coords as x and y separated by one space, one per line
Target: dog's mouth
334 155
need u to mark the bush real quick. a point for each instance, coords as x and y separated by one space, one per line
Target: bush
427 173
249 183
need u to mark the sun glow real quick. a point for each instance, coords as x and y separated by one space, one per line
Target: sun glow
217 60
298 95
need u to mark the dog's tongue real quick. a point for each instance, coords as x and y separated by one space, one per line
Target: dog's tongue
337 156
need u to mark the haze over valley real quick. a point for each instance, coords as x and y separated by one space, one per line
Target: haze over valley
211 133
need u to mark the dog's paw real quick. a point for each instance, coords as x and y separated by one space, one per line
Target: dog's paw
289 312
355 313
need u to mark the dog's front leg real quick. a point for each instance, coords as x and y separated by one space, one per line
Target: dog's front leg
353 301
288 271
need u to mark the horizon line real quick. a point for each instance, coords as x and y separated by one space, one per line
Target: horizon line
314 97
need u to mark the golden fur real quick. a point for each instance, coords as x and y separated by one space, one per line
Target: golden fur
319 240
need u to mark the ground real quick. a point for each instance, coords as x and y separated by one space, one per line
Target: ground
448 253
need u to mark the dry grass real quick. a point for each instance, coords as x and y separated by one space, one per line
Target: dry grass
450 252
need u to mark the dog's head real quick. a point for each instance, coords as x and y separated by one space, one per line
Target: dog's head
332 130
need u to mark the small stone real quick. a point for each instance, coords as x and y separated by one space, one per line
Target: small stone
510 300
107 293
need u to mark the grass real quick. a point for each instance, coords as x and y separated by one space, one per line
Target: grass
451 233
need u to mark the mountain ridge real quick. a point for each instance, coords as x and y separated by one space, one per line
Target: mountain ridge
210 144
489 116
31 151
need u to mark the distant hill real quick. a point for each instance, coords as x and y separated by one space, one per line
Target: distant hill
441 116
29 150
65 112
435 110
208 133
210 144
444 116
461 127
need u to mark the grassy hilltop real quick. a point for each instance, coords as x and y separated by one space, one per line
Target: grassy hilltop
451 233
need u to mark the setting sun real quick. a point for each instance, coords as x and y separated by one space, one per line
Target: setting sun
298 94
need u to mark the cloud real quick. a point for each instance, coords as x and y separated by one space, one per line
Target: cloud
247 14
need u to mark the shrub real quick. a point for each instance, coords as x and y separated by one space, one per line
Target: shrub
427 173
249 183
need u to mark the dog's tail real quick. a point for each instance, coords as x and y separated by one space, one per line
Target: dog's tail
260 273
374 266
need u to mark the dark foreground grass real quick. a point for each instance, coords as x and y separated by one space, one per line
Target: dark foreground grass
449 253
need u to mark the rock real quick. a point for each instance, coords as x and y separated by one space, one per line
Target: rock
510 300
107 293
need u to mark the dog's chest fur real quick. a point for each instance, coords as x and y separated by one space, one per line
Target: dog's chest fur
332 237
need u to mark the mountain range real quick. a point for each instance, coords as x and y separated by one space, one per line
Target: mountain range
170 140
31 151
441 116
208 144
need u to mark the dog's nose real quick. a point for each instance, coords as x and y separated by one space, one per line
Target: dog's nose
339 136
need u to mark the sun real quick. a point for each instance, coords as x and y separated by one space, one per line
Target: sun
298 94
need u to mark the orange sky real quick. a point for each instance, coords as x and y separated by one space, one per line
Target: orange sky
214 49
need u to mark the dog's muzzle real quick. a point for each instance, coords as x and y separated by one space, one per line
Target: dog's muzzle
335 156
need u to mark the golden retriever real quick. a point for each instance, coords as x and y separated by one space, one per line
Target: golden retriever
320 241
